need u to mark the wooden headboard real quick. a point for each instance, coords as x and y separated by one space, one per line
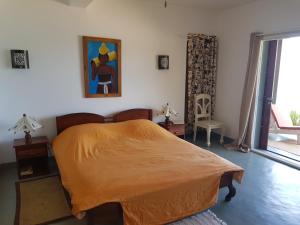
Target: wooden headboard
133 114
69 120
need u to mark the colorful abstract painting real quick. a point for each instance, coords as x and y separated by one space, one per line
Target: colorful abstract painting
102 67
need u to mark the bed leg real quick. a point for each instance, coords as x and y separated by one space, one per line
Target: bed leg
231 193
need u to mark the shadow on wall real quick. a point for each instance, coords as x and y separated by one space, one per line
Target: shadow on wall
4 148
49 128
81 65
7 59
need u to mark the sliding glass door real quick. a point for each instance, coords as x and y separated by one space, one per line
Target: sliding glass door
270 60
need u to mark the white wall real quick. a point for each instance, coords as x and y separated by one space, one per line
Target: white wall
54 83
234 28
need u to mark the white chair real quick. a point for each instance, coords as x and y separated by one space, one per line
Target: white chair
203 117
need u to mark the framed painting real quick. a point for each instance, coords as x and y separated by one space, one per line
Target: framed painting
163 62
102 67
19 59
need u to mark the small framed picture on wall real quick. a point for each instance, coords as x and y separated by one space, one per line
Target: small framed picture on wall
163 62
19 59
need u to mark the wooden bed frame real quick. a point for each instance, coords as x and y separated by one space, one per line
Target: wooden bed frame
112 213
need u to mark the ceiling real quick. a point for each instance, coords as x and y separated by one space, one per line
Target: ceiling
212 4
77 3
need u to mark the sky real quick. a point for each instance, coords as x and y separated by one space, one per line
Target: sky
288 93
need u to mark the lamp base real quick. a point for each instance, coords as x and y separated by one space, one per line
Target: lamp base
28 138
168 122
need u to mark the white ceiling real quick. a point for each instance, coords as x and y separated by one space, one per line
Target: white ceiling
212 4
77 3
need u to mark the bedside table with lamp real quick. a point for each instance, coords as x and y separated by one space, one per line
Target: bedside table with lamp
174 128
31 152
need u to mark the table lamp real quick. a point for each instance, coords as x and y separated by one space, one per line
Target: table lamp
26 124
167 111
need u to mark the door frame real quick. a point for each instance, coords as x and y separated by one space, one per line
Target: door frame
272 65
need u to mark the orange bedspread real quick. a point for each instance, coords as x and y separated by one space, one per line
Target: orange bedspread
156 176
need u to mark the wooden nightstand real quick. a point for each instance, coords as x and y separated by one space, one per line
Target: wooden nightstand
177 129
32 158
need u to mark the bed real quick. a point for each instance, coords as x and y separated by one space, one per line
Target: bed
145 193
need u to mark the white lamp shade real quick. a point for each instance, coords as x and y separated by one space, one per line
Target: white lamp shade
27 124
167 111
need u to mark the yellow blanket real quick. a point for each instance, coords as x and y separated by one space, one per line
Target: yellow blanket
156 176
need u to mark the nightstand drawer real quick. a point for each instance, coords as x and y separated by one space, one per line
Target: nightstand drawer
31 153
177 129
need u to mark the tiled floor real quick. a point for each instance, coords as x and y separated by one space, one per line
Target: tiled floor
269 194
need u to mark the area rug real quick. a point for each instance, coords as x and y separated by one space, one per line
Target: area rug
42 201
205 218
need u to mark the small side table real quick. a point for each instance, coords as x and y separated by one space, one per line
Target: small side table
176 129
32 158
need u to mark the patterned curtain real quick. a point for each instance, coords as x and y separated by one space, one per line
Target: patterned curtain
201 72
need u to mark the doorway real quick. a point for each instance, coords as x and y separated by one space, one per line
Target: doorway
278 108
